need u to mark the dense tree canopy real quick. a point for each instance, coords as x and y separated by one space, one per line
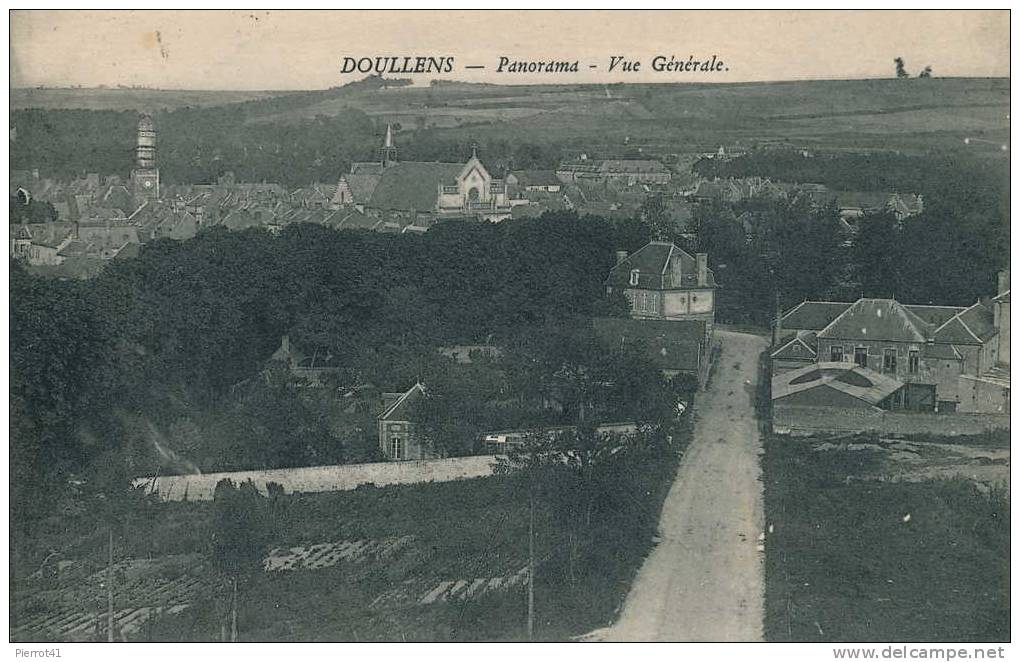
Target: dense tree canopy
158 356
948 254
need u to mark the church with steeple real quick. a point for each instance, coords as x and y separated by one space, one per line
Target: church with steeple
423 191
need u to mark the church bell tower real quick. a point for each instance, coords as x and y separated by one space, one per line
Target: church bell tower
145 176
388 152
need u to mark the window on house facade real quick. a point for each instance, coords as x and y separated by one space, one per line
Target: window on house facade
836 353
914 362
861 356
397 448
634 277
889 361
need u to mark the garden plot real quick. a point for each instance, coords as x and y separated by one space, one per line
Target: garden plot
325 555
78 626
413 592
142 588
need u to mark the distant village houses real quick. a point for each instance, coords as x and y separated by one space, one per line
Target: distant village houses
625 171
851 204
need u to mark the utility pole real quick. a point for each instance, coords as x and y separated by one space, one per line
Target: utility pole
233 614
531 563
777 325
109 592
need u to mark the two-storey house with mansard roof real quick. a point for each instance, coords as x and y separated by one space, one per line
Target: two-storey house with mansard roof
665 283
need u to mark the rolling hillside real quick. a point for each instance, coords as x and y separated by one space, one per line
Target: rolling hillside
912 116
127 98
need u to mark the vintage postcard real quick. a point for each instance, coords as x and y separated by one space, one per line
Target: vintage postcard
510 326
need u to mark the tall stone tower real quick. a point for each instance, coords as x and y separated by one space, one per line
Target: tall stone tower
389 148
145 176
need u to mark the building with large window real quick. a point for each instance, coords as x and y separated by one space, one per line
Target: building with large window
398 438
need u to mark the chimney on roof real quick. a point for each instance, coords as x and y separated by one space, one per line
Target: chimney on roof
777 327
621 256
702 269
1003 281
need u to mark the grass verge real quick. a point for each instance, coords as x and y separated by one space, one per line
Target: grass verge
869 560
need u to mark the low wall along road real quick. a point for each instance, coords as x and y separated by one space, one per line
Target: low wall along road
808 420
336 478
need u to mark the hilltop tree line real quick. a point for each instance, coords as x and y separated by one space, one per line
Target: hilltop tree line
197 145
953 176
901 69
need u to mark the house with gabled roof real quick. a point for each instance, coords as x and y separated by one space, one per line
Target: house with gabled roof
356 188
624 171
904 205
312 364
398 434
544 181
664 282
946 358
21 241
793 351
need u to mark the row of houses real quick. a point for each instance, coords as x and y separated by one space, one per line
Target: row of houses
851 204
602 171
880 355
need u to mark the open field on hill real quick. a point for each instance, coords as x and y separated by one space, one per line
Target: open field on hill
140 99
886 114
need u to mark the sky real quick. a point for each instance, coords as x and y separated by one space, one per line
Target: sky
290 50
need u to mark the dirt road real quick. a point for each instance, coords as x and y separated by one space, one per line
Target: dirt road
704 580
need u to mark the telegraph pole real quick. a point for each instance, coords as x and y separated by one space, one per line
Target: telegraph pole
531 562
233 614
109 592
